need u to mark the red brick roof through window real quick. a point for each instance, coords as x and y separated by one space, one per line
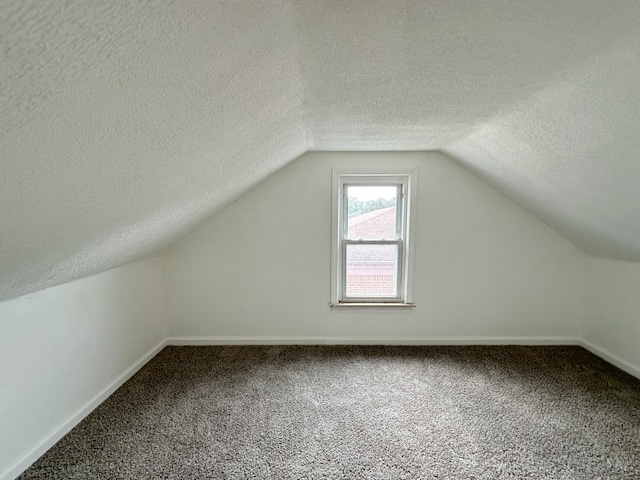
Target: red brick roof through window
375 225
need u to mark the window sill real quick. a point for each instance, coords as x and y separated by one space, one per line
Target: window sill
372 305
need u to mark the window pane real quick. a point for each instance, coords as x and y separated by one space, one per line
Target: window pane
372 212
372 270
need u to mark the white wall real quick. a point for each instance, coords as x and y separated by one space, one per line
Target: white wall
484 267
62 347
612 328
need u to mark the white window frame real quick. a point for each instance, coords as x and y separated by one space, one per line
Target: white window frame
407 184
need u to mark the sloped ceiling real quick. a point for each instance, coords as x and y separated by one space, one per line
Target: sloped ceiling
125 124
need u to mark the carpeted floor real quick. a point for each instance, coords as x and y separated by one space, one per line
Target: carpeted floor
317 412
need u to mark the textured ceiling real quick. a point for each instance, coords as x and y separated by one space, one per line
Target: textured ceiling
125 124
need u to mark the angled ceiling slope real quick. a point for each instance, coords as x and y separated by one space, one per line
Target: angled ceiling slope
126 124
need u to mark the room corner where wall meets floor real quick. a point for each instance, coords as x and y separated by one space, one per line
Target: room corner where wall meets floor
63 350
611 329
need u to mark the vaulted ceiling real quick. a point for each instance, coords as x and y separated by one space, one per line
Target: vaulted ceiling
125 124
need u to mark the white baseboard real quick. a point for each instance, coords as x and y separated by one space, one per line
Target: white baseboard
64 427
285 340
193 341
611 358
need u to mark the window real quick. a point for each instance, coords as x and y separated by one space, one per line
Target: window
372 244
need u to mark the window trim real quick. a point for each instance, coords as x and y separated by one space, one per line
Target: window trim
406 242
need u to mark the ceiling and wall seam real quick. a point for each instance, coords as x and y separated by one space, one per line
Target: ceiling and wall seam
532 213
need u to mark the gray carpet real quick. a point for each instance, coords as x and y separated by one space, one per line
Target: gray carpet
374 412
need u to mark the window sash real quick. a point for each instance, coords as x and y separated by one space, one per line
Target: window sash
399 272
373 181
382 182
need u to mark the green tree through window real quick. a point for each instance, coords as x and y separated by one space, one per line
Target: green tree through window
358 207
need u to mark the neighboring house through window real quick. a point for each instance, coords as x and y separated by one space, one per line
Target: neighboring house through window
372 247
